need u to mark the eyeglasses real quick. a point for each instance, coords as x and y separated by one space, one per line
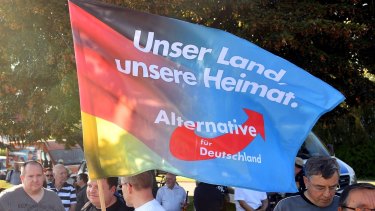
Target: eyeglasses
358 209
320 188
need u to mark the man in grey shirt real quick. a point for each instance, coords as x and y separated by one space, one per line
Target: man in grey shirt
321 180
30 195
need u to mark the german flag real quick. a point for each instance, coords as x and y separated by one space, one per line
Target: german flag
161 93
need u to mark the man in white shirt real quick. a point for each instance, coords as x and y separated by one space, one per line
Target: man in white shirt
137 192
250 200
171 196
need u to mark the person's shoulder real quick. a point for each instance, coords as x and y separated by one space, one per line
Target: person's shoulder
293 198
11 193
179 187
155 205
13 189
50 185
287 202
87 206
162 188
49 191
121 205
68 185
336 200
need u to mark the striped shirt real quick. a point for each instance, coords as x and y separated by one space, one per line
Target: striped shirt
67 194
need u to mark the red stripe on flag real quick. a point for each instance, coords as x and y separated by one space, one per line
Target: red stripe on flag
130 102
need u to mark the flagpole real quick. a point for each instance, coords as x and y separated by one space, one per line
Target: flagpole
101 196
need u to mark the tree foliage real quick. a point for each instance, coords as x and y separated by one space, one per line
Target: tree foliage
38 85
331 39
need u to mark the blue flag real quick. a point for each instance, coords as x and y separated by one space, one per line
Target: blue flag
160 93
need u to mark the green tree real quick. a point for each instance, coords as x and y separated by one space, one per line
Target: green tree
38 85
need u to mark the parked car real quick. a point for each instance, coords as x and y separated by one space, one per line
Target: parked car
313 146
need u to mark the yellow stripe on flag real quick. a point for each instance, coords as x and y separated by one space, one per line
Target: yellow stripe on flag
110 150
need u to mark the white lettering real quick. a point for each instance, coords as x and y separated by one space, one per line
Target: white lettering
174 50
244 63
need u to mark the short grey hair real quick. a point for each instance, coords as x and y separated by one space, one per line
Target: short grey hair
60 166
321 165
140 181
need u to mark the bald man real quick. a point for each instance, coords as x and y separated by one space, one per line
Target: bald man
30 195
359 196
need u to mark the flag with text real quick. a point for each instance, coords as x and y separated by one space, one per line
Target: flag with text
161 93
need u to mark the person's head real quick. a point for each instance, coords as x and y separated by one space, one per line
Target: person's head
17 166
109 188
30 155
359 195
170 180
48 173
32 177
82 179
321 179
137 189
60 173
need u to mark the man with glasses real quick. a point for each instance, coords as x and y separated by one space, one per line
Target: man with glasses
321 180
358 197
49 175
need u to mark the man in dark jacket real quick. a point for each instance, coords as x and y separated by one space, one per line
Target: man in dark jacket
112 203
210 197
82 199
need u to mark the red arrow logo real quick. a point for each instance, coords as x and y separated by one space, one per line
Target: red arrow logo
186 145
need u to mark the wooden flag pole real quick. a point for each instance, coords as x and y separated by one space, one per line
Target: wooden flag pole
101 196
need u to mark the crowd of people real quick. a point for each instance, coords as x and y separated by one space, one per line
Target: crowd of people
49 189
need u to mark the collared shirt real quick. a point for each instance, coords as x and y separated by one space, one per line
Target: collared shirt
67 194
14 177
151 205
171 199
